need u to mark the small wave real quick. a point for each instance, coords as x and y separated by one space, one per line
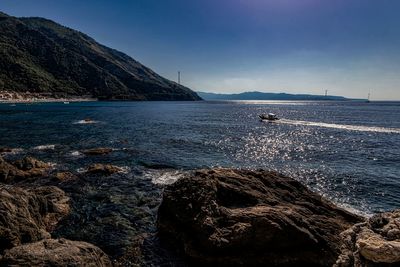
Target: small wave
125 169
342 126
45 147
122 169
351 209
164 177
81 170
86 121
76 154
52 164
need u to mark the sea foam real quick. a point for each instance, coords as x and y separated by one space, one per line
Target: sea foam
45 147
164 177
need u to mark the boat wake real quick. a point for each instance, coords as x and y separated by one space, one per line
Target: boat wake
86 121
342 126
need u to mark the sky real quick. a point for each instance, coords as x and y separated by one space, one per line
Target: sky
348 47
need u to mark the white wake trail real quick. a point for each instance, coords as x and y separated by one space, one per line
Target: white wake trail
342 126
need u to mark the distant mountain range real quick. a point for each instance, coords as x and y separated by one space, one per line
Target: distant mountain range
40 56
269 96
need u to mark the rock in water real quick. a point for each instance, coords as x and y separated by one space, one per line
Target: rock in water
27 215
97 151
65 176
29 163
372 243
238 217
103 169
25 169
55 252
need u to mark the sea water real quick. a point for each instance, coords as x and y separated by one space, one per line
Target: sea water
347 151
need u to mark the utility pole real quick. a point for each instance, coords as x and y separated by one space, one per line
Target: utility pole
179 77
326 92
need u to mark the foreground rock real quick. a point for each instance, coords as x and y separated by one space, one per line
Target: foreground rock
97 151
5 150
55 252
103 169
372 243
26 169
28 215
237 217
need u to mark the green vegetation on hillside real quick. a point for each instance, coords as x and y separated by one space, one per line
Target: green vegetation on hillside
41 56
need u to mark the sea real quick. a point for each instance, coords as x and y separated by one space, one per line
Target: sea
349 152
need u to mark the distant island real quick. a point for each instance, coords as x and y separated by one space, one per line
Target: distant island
271 96
40 59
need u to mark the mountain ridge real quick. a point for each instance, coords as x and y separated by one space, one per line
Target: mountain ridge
41 56
256 95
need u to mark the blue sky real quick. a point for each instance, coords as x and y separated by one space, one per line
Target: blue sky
348 47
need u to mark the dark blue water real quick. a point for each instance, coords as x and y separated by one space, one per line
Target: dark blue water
347 151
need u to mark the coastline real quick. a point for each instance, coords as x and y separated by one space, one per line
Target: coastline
46 100
10 97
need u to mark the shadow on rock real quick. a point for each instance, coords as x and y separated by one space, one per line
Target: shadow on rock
237 217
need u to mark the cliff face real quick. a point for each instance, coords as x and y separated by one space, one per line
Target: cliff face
41 56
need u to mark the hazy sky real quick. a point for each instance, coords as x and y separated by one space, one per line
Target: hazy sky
349 47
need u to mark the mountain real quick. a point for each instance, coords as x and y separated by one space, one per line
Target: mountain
268 96
41 56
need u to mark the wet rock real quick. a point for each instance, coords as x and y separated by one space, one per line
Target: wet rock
26 169
103 169
97 151
8 172
375 242
238 217
65 176
29 163
5 150
55 252
28 215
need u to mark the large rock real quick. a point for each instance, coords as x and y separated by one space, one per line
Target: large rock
238 217
97 151
28 215
24 169
55 252
375 242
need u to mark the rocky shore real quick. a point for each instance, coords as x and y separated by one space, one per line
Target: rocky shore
28 97
217 217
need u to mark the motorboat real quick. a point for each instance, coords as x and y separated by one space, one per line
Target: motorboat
268 117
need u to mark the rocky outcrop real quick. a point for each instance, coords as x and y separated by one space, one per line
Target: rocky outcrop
28 215
5 150
97 151
65 176
55 252
238 217
25 169
103 169
375 242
